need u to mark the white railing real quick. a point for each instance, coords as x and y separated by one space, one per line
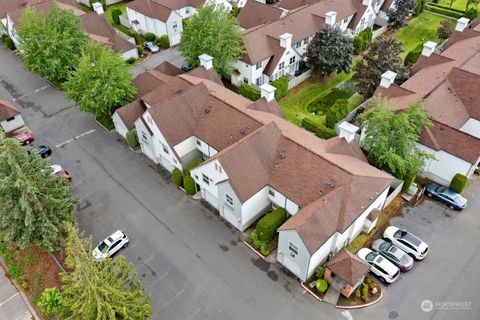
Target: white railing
295 81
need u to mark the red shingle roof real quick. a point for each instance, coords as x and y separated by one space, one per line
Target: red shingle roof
348 266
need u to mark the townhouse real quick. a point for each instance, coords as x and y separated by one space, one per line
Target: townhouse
94 24
255 161
10 117
448 83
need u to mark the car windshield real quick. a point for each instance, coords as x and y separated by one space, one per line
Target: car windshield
399 234
102 247
440 189
384 246
370 256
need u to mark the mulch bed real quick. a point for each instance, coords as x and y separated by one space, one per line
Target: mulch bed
354 301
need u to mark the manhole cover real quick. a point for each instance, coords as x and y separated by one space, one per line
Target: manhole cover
393 315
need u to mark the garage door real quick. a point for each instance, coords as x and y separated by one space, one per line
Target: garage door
229 215
291 265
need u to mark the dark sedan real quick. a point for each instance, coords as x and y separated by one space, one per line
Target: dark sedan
446 196
396 255
43 151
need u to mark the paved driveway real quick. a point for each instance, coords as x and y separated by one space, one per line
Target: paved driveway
171 55
190 260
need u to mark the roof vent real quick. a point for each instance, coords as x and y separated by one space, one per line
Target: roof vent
332 183
242 132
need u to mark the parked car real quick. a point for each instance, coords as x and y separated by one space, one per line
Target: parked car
110 245
393 253
446 196
380 266
43 151
151 47
406 241
24 137
185 67
58 171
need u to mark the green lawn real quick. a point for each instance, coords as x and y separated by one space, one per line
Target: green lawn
121 5
420 30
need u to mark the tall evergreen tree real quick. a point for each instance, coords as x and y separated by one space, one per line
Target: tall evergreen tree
106 290
51 42
34 204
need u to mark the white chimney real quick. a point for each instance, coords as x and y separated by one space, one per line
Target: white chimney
387 79
267 91
428 48
97 7
330 18
206 61
286 40
462 23
367 2
347 131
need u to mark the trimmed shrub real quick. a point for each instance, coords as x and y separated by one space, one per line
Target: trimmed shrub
408 180
268 225
445 7
365 292
132 139
9 43
262 246
362 41
249 92
318 129
336 113
412 56
358 294
116 13
234 12
149 36
320 272
140 50
51 301
189 185
282 87
458 183
130 60
446 12
419 8
177 177
192 165
164 41
471 14
445 29
321 285
138 38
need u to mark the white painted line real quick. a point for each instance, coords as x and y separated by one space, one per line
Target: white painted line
63 143
24 316
32 92
85 133
157 280
171 299
16 294
194 314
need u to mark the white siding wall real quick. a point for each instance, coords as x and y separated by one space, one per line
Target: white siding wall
132 53
321 255
472 127
254 207
231 213
297 264
281 201
15 123
186 146
119 125
174 28
145 140
369 18
214 176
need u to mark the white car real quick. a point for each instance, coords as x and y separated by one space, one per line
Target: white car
110 245
406 241
380 266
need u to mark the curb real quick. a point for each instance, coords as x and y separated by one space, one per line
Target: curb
310 291
361 306
102 126
258 253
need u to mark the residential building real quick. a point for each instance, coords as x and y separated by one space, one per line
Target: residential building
255 14
448 83
10 117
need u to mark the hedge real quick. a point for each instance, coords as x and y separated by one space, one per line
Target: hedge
249 92
189 185
471 14
408 180
116 13
149 36
130 60
432 4
336 113
9 43
177 177
140 50
362 41
132 139
192 165
412 56
268 225
419 8
164 41
318 129
445 12
458 183
282 87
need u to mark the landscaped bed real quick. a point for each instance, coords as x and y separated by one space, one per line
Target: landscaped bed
367 293
316 285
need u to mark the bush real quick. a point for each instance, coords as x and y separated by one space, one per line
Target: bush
358 294
177 177
9 43
318 129
164 41
262 246
362 41
130 60
471 14
413 55
321 285
419 8
445 29
51 301
138 38
116 13
132 140
445 7
459 183
189 185
249 92
268 225
192 165
234 12
149 36
365 292
336 113
408 180
320 272
140 50
282 87
446 12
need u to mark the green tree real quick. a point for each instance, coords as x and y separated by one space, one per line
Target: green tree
216 32
51 42
390 137
33 203
100 290
51 301
101 81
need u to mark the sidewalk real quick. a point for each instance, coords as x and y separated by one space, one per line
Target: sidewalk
13 303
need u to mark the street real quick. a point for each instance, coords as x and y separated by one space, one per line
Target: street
191 260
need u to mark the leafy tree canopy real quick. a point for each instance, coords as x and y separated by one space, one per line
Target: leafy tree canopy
397 16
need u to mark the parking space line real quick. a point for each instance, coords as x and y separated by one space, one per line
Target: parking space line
63 143
157 280
194 314
16 294
171 299
75 138
85 133
32 92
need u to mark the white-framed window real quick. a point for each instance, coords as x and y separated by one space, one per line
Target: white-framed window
258 65
298 44
187 11
259 81
362 21
345 20
175 26
271 192
206 179
199 142
292 59
10 119
292 248
165 148
305 41
245 80
281 65
229 200
144 136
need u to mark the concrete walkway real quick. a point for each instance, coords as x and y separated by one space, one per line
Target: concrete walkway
13 303
332 295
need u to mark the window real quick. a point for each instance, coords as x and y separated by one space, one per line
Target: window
271 192
258 65
229 200
175 26
10 119
292 248
281 65
259 81
245 80
199 142
205 179
305 41
363 21
165 148
196 177
298 44
144 136
292 60
345 20
187 11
